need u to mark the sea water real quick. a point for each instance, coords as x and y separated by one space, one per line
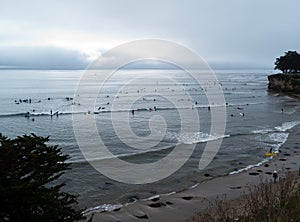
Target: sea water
255 123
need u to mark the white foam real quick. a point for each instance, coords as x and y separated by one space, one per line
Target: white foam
282 128
262 131
250 166
189 138
153 197
287 126
278 138
102 208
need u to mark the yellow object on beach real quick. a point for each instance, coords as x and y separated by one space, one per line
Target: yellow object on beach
270 154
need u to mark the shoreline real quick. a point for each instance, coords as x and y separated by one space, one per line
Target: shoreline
182 206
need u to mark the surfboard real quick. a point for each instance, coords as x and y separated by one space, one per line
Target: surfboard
270 154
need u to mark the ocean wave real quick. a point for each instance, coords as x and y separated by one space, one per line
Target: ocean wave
29 114
262 131
287 126
172 138
104 110
277 136
250 166
197 137
282 128
102 208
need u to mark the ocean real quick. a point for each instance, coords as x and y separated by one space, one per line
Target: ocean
256 121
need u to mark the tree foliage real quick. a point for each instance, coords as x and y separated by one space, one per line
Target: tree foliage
29 190
289 63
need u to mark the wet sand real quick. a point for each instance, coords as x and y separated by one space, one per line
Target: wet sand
181 206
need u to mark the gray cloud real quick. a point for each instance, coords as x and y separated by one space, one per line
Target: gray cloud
41 57
234 32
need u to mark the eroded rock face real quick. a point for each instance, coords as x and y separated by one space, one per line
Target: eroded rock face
284 83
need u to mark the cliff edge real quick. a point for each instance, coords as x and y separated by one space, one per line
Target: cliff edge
284 83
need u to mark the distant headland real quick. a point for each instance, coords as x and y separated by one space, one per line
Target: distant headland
287 82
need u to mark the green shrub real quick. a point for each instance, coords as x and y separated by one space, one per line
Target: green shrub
29 190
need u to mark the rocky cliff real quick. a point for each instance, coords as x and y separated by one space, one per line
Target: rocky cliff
286 83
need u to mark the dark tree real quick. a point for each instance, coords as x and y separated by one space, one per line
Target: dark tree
289 63
29 190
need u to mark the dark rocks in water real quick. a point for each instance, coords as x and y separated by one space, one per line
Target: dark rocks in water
269 173
187 198
157 205
259 171
169 203
155 199
207 175
117 209
132 198
282 159
266 165
287 154
253 173
142 216
235 188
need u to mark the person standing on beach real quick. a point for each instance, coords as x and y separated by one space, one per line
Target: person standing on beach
275 176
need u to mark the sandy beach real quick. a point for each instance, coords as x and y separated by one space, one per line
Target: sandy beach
181 206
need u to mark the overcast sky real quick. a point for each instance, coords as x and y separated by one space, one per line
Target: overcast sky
69 33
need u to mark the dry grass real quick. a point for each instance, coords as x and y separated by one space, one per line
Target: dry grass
266 202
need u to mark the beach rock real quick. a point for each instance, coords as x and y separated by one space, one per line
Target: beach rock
157 205
187 198
253 173
142 216
155 199
235 188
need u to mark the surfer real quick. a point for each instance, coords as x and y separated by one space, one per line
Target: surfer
281 110
275 176
27 115
51 112
132 111
271 150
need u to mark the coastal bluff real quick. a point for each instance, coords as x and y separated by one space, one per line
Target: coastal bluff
284 83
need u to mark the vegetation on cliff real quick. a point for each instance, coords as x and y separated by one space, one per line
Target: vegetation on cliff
264 202
288 63
289 81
